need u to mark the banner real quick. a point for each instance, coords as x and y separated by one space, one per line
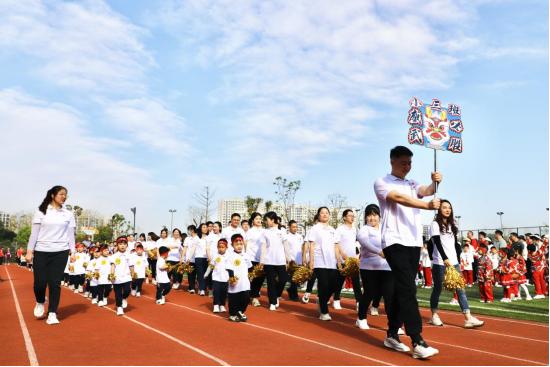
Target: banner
435 126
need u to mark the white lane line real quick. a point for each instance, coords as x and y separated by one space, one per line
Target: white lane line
170 337
26 336
285 334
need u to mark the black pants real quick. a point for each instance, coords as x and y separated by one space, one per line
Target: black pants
153 267
103 291
192 277
311 283
220 292
137 284
376 282
93 290
376 300
201 264
292 289
326 285
48 271
340 280
238 302
276 279
176 277
162 290
122 291
256 283
529 273
475 265
403 261
77 280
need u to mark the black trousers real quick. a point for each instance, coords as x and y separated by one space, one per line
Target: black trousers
153 267
377 282
475 265
311 283
93 290
238 302
220 292
529 273
403 261
340 280
77 280
201 264
162 290
292 289
192 277
326 286
176 277
137 284
48 272
256 283
103 291
276 279
122 291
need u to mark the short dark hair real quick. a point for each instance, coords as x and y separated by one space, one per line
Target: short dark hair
498 231
163 250
235 215
209 222
531 248
291 222
192 228
236 236
219 224
400 151
244 221
513 234
481 233
346 212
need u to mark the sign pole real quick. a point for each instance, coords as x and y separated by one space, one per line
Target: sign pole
435 170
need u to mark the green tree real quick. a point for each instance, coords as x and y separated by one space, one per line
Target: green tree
6 234
286 192
23 235
268 205
119 224
252 204
105 234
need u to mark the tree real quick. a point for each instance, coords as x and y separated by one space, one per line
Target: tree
205 200
268 205
105 234
119 224
6 234
335 202
252 204
196 214
286 192
23 235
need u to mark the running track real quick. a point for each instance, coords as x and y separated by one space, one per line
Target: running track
186 332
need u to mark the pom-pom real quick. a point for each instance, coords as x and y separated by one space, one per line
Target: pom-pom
291 268
88 276
257 272
85 265
134 275
351 267
71 269
186 268
112 277
302 274
233 280
96 275
148 272
152 253
453 279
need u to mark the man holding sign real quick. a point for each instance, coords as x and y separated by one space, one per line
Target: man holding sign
400 204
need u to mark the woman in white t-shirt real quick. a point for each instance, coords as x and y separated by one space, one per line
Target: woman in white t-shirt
253 245
346 237
190 244
323 255
151 245
201 258
51 242
446 252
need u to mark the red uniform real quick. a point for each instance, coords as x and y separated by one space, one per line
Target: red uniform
539 265
506 270
485 278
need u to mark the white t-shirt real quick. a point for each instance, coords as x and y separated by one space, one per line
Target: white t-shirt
400 224
140 264
166 242
212 243
254 238
150 245
191 244
200 247
55 228
175 249
347 238
448 243
494 260
275 250
239 263
228 232
467 260
323 238
92 265
219 273
370 240
162 275
78 264
122 267
131 246
425 259
103 265
295 242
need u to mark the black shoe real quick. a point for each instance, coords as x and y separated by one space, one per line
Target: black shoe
242 316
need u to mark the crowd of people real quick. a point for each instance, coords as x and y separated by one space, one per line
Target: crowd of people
232 263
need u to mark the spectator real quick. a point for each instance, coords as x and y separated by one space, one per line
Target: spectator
500 242
473 240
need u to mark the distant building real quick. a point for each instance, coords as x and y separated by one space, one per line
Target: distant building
227 207
5 219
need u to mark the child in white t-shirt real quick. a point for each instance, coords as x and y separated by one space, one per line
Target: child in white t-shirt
162 279
102 271
237 264
90 272
220 277
121 272
78 270
139 260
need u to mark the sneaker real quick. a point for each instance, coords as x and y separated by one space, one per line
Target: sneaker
305 298
124 303
472 322
191 291
138 294
325 317
175 286
216 309
101 303
400 331
71 287
454 302
76 290
201 293
86 294
242 316
272 307
278 303
80 289
39 310
52 319
255 302
159 301
154 282
362 324
133 292
163 300
435 320
498 285
336 305
539 296
424 351
234 319
395 344
518 298
222 309
374 311
529 298
119 311
94 301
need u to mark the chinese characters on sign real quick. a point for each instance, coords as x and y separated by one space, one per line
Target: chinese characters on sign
435 126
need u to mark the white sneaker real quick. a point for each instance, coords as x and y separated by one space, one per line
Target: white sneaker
498 285
76 290
119 311
159 301
422 352
101 303
94 301
138 294
374 311
201 293
395 344
191 291
133 292
305 298
216 309
539 296
39 310
529 298
52 319
124 303
362 324
435 320
222 309
86 294
175 286
71 287
255 302
336 305
400 331
325 317
472 322
154 282
272 307
278 303
454 302
80 289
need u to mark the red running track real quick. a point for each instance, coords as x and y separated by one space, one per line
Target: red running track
186 332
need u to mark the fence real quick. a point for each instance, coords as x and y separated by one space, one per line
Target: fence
540 230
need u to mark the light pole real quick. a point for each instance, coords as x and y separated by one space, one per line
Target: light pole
458 225
500 215
171 211
133 210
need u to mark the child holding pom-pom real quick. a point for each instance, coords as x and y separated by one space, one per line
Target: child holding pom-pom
220 277
162 278
237 264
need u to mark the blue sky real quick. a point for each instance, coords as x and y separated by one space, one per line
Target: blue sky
141 103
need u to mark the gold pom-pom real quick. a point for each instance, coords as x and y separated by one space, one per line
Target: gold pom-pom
187 268
257 272
148 271
112 277
291 268
351 267
152 253
96 275
453 279
88 276
85 265
134 275
302 274
233 280
71 269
